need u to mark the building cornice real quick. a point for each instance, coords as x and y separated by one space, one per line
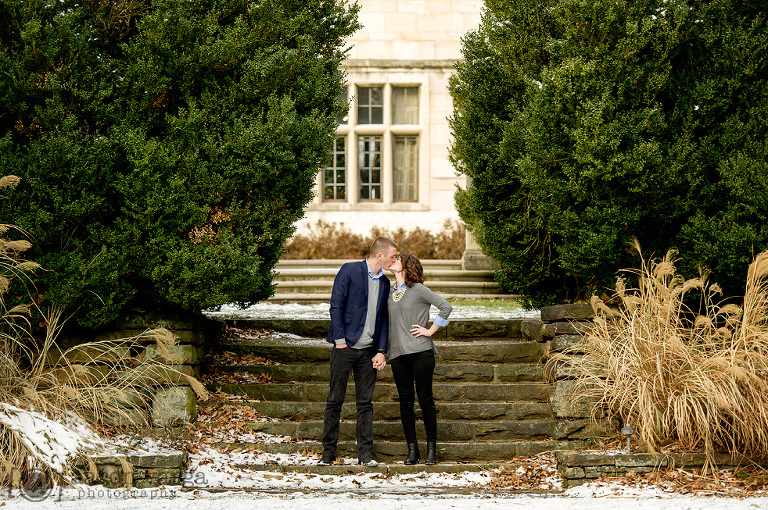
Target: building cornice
397 64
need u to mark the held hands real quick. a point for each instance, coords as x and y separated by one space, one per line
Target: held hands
379 362
418 331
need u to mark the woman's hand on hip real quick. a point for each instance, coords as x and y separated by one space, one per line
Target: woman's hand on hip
418 331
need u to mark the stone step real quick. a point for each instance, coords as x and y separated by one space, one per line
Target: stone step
458 431
292 350
453 411
444 372
325 297
395 451
387 392
457 329
430 275
440 287
390 469
427 264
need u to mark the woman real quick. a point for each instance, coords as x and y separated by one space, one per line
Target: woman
412 351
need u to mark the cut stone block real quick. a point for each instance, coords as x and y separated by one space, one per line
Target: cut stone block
561 312
173 407
87 354
532 330
566 403
184 354
562 343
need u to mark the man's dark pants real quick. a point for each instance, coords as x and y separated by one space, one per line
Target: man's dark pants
344 361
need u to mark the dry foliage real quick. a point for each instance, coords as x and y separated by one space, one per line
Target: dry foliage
694 375
531 474
329 241
105 383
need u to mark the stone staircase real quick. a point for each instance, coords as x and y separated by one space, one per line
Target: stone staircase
493 402
310 281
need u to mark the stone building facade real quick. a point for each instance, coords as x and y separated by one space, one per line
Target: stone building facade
390 165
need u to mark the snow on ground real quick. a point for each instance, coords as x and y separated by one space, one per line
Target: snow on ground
217 478
320 311
173 498
220 477
50 442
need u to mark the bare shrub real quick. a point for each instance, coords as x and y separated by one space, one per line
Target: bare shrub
326 241
682 370
332 241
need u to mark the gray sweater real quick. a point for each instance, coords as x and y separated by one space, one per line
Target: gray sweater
413 308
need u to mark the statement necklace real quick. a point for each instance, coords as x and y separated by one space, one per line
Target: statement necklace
397 296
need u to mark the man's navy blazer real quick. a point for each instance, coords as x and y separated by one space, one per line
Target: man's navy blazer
349 306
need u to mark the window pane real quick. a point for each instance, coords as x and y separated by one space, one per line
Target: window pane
377 116
369 167
406 168
334 176
370 105
405 105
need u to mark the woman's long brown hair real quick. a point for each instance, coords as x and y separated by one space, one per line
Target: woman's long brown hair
412 270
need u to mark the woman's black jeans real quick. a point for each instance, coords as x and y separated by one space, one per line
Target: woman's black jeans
409 370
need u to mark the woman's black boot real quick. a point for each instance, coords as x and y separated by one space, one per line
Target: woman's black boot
413 454
431 453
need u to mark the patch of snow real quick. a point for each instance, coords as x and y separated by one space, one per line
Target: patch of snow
406 498
217 480
51 442
321 311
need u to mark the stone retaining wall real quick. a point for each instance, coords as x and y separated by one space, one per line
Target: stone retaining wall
146 470
578 468
563 328
164 388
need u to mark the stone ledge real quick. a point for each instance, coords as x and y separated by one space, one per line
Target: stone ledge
386 468
579 467
147 470
182 336
458 328
578 311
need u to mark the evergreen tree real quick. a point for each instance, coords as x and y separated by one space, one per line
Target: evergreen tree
585 123
166 147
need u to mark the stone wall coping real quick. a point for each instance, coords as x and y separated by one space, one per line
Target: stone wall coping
571 458
138 459
578 311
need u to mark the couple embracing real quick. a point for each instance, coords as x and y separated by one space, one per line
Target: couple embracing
370 320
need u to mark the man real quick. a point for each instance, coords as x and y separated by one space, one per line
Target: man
359 337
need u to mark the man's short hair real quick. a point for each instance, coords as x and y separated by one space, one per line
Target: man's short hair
381 245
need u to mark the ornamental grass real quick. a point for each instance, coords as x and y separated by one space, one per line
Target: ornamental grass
677 364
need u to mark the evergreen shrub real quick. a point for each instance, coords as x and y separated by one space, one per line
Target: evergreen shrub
165 148
583 124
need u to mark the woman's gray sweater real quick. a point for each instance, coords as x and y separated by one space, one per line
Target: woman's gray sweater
413 308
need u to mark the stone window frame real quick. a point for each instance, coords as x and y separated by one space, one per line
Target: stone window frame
350 130
337 184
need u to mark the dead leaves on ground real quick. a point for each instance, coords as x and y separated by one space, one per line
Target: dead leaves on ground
230 358
747 481
221 424
218 376
229 367
532 474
